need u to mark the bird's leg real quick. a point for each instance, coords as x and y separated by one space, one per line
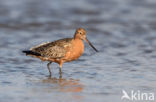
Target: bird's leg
60 77
60 69
48 66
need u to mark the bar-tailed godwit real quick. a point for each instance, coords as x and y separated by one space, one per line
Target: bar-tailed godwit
61 51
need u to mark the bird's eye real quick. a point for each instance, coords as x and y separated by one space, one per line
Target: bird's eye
80 33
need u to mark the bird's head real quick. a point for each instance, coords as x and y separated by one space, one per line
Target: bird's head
81 34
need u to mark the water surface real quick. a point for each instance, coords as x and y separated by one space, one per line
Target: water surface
124 31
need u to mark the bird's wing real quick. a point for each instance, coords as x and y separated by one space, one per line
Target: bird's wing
56 49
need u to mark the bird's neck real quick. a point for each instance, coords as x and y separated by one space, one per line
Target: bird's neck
78 40
77 37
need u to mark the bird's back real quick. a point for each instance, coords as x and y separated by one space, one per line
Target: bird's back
56 49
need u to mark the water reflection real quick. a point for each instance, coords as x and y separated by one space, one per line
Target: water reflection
57 88
65 85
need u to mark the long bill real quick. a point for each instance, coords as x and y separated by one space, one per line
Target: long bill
91 44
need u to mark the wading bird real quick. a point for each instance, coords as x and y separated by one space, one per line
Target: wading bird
61 51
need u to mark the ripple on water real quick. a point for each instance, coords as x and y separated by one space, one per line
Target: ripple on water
126 44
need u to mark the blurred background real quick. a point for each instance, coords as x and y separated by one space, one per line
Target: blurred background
124 31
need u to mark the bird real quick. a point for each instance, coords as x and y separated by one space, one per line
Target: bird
61 51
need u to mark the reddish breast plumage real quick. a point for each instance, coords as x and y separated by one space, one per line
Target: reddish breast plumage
75 51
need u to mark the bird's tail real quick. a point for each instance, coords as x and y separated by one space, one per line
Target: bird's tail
29 52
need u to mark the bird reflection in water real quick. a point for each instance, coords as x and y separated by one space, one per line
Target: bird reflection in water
65 85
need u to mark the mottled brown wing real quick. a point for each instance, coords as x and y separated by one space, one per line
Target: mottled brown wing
56 49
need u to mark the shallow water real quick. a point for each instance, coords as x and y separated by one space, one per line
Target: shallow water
124 31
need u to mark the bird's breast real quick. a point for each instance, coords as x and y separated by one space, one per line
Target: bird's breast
74 51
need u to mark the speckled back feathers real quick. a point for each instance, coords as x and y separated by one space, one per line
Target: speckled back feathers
56 49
